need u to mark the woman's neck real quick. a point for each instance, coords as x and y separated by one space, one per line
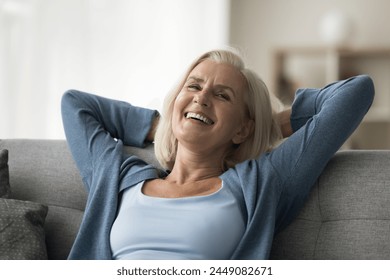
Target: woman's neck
192 167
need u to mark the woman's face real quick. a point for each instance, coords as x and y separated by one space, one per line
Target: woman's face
209 112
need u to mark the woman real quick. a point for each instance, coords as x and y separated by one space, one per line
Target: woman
230 188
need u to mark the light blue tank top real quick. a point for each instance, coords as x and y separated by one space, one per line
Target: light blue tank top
197 227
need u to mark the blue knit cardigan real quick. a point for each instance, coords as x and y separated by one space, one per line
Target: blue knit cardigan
270 189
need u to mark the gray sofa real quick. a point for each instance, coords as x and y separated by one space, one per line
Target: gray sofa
347 215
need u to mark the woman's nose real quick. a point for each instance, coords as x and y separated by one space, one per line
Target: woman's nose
202 98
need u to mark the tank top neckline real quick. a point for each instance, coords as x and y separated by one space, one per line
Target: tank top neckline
195 197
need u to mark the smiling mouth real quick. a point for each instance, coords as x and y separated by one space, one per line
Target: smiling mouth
198 117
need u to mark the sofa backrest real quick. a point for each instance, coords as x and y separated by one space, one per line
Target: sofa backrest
43 171
347 215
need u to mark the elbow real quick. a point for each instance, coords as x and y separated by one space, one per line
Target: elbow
70 103
67 97
69 100
365 87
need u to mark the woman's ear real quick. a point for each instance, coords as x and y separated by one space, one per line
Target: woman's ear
245 131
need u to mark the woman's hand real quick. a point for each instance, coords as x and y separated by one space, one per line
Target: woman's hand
153 128
283 119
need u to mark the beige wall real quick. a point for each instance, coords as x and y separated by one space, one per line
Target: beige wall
257 26
124 49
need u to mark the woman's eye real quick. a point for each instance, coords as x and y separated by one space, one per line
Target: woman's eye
194 87
222 95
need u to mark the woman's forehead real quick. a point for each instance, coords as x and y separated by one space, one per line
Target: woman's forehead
219 73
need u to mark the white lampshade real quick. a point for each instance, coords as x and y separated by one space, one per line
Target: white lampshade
335 28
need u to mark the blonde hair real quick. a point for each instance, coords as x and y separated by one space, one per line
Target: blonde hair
266 132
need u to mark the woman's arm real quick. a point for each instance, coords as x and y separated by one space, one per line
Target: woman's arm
321 121
153 128
96 127
283 119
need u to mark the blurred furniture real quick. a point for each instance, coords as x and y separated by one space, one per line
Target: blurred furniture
316 67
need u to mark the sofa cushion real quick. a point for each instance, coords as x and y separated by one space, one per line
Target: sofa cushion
4 176
347 214
22 235
43 171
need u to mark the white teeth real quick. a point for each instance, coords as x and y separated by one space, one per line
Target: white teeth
191 115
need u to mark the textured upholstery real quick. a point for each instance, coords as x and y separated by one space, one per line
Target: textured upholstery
347 215
43 171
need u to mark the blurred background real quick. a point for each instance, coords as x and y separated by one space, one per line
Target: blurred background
135 50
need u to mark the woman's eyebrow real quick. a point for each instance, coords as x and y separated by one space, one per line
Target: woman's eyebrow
221 86
225 87
196 79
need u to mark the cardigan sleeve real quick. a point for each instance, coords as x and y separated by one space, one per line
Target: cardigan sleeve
322 120
95 126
